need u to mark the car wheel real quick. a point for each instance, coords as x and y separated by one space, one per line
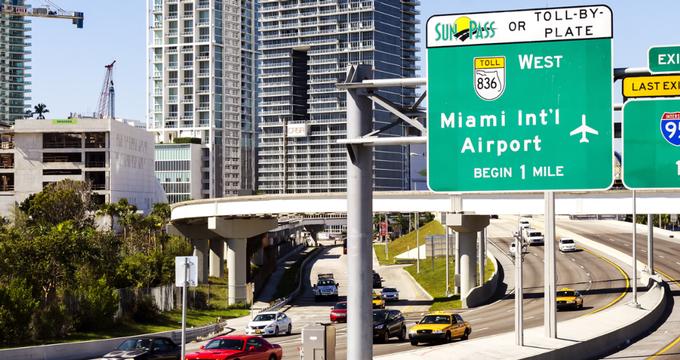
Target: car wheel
414 342
276 331
290 329
272 357
466 334
386 336
447 339
402 333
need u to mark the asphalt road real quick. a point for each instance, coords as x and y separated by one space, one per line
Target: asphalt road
599 281
666 262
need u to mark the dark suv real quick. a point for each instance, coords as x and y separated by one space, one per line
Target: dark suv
377 280
387 324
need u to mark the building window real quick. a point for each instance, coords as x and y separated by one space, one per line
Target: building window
6 161
95 159
49 157
6 182
97 179
95 140
6 141
62 140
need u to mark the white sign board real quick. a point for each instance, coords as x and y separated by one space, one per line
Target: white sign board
297 130
181 270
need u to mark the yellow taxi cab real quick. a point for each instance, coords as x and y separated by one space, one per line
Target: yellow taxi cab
439 326
378 301
567 297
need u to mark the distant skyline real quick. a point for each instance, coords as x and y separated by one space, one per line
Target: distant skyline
68 63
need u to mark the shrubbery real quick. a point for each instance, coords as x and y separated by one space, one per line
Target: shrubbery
59 272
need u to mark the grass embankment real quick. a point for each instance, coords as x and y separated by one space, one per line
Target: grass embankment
433 281
407 242
291 277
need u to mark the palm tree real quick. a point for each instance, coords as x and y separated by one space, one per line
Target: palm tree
110 210
40 109
28 113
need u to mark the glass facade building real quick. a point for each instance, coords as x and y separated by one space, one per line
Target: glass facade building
200 85
14 64
306 46
177 168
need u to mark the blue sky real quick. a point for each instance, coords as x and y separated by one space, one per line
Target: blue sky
68 63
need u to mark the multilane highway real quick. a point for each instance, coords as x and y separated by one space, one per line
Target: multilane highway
601 282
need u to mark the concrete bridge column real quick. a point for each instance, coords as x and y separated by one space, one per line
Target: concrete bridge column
467 226
202 252
236 269
217 257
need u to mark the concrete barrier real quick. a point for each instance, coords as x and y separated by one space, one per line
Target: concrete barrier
96 348
655 300
480 295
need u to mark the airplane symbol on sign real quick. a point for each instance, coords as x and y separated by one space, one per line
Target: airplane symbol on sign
583 130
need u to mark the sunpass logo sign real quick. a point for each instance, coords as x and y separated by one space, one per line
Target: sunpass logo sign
463 29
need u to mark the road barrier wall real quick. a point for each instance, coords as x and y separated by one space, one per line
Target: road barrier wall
481 295
96 348
655 300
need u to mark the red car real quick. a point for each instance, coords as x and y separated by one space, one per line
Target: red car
238 347
339 312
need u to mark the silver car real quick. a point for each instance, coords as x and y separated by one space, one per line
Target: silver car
390 294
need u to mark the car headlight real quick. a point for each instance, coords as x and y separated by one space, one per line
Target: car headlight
379 326
438 331
413 332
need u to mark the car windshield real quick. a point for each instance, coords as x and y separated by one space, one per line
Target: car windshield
566 293
265 317
567 241
436 319
534 233
379 316
225 344
341 306
389 290
376 296
326 282
133 344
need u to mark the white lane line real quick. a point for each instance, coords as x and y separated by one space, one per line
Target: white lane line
529 317
581 266
661 256
511 310
572 259
677 262
643 250
482 329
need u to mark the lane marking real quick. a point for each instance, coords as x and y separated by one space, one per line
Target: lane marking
668 347
529 317
677 262
482 329
625 290
670 278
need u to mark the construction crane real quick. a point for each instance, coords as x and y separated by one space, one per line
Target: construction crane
106 107
48 10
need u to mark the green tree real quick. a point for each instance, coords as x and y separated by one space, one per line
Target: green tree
58 202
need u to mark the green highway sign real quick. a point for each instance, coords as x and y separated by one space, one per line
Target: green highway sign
651 144
664 59
520 100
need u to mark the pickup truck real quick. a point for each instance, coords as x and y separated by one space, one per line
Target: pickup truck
325 287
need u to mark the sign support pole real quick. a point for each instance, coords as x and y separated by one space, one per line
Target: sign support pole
635 275
417 244
519 295
650 244
184 306
550 305
448 236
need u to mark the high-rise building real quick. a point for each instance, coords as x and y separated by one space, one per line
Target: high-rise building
201 63
13 64
306 46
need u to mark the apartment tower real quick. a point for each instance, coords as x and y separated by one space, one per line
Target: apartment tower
201 85
13 64
306 46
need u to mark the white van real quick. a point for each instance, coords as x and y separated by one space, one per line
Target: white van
533 236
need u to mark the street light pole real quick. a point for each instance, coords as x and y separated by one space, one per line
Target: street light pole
417 244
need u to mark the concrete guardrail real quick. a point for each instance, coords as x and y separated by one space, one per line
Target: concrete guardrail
480 295
96 348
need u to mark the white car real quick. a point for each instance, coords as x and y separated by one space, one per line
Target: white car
567 244
270 323
523 224
533 237
513 249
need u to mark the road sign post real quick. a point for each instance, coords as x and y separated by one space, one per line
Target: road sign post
521 101
186 274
